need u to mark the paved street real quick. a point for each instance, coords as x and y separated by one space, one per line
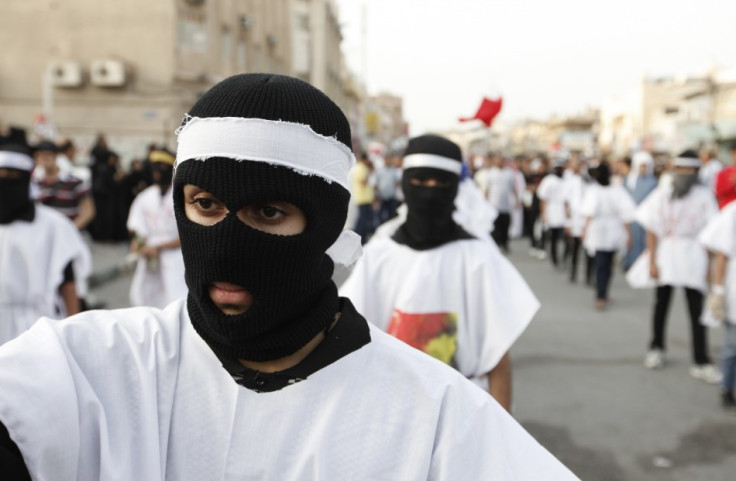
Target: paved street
580 387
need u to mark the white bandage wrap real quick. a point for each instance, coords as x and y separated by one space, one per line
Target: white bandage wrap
15 160
432 161
288 144
686 162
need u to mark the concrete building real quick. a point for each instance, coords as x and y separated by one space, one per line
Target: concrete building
131 69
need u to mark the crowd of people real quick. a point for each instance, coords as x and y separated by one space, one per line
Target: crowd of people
236 238
652 217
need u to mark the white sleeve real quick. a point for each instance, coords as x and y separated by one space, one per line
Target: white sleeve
648 214
543 189
590 202
720 233
136 220
501 450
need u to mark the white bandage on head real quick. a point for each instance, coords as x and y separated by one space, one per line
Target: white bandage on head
686 162
432 161
288 144
15 160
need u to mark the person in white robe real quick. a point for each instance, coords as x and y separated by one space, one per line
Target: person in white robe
575 189
551 193
608 211
709 169
719 237
159 275
438 288
673 215
263 372
38 250
516 229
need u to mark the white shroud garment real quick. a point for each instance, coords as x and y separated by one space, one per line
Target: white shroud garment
720 236
609 209
462 302
33 256
552 191
681 260
575 191
383 412
152 217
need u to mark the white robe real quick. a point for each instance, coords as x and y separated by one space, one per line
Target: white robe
681 260
152 217
552 191
516 228
33 256
136 394
462 302
720 236
609 209
575 190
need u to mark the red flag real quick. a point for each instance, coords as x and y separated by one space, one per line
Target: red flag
487 111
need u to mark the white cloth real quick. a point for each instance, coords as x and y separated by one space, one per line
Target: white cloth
552 191
498 185
383 412
33 256
720 236
681 260
152 218
708 173
472 212
462 302
575 189
516 228
609 209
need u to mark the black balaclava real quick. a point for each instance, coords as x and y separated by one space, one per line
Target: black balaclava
289 277
681 182
15 199
165 171
429 221
603 174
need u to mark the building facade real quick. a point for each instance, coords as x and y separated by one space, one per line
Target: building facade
131 69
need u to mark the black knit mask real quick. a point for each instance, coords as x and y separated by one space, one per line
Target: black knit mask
15 202
289 277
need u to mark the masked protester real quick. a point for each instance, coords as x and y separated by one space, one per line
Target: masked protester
438 288
263 372
38 249
159 274
673 215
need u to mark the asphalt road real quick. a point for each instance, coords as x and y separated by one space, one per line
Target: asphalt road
580 387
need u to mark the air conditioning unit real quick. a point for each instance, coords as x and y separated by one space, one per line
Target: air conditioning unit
108 73
66 73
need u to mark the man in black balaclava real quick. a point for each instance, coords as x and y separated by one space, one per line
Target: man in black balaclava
429 194
263 372
37 247
436 287
673 215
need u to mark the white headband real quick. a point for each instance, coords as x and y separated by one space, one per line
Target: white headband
687 162
288 144
15 160
433 161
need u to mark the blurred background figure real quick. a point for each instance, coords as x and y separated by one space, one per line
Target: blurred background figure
710 166
725 183
364 196
551 194
108 192
608 210
498 184
59 189
639 183
38 248
159 274
388 182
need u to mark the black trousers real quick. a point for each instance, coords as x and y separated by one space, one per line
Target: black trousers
554 235
603 269
695 308
574 252
500 232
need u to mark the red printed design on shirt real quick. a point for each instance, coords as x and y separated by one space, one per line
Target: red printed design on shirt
434 333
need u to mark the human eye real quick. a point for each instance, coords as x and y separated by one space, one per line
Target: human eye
270 212
206 205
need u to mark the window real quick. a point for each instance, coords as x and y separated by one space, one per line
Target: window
192 33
